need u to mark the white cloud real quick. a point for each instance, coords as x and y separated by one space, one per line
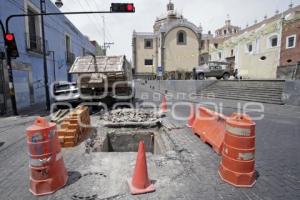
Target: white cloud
211 14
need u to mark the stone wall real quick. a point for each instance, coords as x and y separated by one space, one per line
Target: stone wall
291 93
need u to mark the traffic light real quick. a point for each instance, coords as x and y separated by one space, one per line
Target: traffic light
122 7
11 45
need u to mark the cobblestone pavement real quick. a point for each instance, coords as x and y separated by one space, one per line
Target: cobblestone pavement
194 173
277 155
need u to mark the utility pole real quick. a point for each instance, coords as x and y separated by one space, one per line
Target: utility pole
103 19
115 8
43 11
10 76
106 45
11 84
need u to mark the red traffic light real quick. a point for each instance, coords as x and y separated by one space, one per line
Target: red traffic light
122 7
130 7
11 46
9 37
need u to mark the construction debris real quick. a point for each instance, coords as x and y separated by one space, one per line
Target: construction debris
170 125
130 117
58 116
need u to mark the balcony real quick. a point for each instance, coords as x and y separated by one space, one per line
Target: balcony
35 43
70 58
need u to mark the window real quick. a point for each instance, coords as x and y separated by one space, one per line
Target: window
202 59
225 32
273 41
70 57
149 62
220 55
33 35
68 43
257 43
232 52
291 41
249 48
148 43
216 45
202 44
181 38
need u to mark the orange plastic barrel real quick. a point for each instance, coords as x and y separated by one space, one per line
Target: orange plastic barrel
237 165
47 168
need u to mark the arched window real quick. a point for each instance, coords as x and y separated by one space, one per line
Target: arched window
181 38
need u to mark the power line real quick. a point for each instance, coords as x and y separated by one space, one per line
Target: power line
55 20
104 27
91 19
100 19
105 30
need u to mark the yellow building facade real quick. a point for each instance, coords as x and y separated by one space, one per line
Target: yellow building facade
254 51
171 50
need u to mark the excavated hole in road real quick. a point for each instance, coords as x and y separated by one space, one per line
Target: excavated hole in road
129 141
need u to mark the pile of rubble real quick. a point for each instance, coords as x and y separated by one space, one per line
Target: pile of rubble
128 115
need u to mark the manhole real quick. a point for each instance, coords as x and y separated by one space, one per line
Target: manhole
88 186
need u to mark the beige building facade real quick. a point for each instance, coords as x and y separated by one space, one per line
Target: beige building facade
254 51
172 50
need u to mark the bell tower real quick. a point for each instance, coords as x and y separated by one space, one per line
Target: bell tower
170 6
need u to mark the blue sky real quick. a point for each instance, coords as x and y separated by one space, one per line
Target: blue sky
211 14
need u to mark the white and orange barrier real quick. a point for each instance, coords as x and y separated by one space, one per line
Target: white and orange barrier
237 165
210 127
47 168
234 138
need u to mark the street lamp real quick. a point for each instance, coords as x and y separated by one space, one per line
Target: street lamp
59 3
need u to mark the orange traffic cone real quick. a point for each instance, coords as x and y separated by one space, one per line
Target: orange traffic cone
163 105
192 117
140 182
47 169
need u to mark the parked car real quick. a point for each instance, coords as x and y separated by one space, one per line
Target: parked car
66 92
213 69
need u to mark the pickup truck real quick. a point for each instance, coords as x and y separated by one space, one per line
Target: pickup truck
66 92
213 69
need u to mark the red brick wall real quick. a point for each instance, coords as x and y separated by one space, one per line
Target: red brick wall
293 54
